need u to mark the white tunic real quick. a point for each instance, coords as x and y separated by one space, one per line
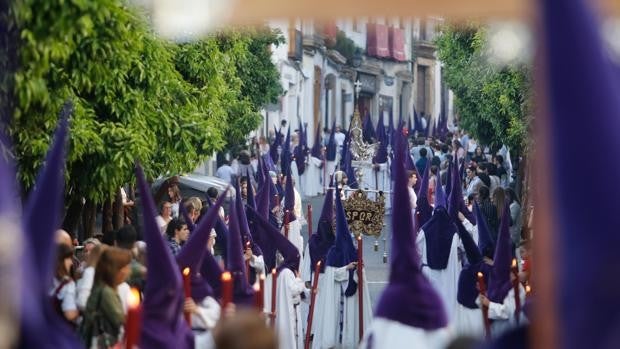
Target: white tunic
313 174
444 281
288 314
384 333
504 314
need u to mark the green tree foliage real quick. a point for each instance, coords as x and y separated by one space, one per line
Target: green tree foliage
136 96
492 102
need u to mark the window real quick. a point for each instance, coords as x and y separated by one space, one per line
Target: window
423 31
422 87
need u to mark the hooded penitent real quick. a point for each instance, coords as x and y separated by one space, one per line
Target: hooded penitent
163 325
251 201
342 252
440 194
438 233
499 280
424 210
277 242
369 130
382 153
332 148
467 290
40 325
193 252
273 149
287 156
323 239
299 153
246 234
243 294
409 297
289 197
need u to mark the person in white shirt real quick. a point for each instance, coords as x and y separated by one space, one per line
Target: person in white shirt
85 283
165 215
339 137
413 179
225 172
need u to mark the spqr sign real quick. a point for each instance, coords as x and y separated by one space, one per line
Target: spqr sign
364 215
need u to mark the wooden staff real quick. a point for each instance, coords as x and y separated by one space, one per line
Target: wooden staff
315 284
515 270
309 220
286 223
485 310
360 284
272 315
187 288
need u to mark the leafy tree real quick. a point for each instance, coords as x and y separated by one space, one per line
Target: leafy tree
492 102
136 96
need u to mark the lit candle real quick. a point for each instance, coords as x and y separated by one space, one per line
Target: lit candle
274 277
485 310
528 290
481 284
134 318
257 296
515 271
187 288
227 289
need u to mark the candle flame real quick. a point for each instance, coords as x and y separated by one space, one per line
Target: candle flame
528 289
514 262
359 237
226 276
186 271
133 299
273 271
262 277
480 275
256 287
318 264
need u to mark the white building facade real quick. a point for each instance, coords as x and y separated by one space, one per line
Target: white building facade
394 59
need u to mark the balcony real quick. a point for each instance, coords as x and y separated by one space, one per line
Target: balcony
397 44
377 40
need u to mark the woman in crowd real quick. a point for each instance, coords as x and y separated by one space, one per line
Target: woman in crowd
104 314
165 215
175 199
85 283
478 156
63 286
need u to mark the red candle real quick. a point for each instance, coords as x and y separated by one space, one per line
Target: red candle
227 289
260 298
309 220
482 287
274 277
360 287
315 283
187 288
277 200
134 319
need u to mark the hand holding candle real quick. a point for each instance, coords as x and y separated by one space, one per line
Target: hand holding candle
134 319
187 288
485 309
227 289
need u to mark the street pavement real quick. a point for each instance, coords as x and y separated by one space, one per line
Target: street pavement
377 272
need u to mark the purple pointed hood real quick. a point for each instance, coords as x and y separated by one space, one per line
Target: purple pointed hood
316 146
409 298
163 325
343 251
382 153
299 153
193 252
289 197
499 280
586 239
448 181
467 291
269 164
438 233
41 218
323 239
331 144
260 174
287 156
455 199
369 130
273 148
243 294
263 198
251 198
262 238
424 210
290 253
486 245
